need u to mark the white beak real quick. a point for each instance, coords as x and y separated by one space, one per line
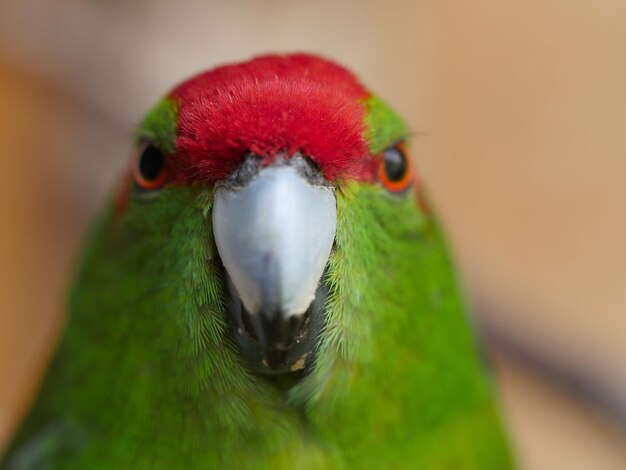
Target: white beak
274 236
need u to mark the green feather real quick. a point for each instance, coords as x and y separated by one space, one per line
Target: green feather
148 377
383 125
159 125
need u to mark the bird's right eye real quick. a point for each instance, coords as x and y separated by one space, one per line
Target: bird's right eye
149 168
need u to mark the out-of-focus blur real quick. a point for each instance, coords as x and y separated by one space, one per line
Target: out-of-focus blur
518 110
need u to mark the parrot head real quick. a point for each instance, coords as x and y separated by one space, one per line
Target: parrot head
269 177
267 289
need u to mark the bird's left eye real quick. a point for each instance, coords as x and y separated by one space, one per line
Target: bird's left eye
149 167
394 170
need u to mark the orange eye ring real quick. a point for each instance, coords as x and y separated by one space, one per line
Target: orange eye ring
394 169
149 168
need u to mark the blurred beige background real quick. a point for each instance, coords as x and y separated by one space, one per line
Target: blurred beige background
518 108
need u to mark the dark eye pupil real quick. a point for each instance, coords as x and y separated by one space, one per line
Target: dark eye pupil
395 164
151 163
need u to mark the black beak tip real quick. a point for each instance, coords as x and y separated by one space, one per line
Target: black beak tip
276 334
273 341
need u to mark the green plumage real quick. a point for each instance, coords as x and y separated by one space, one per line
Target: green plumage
148 377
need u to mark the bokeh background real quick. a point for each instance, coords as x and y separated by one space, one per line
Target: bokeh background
519 110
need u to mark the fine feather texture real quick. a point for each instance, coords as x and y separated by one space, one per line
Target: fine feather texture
268 105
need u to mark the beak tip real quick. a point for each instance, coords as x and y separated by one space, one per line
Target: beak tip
277 331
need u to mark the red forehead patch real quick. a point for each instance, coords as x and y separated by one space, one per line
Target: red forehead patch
268 105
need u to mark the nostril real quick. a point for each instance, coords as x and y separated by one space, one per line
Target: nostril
309 169
245 172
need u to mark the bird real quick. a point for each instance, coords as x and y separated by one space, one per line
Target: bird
267 286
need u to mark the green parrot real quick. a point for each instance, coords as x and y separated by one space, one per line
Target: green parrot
267 288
